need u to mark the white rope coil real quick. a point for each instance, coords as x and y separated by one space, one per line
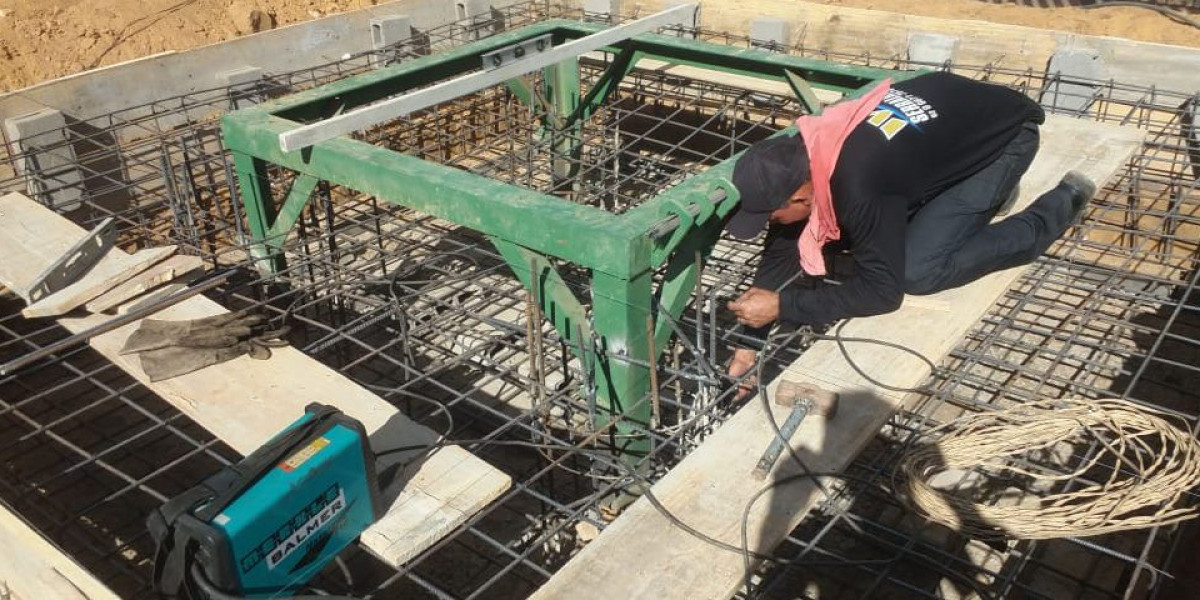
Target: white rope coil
1144 471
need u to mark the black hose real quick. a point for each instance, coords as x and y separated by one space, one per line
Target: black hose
215 593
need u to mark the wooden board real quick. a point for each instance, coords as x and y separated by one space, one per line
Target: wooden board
115 268
161 273
642 555
244 402
157 294
33 569
24 247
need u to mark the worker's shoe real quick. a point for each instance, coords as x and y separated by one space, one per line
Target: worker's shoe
1082 189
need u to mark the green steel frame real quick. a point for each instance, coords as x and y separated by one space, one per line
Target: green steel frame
621 252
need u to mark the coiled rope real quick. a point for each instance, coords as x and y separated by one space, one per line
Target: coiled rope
1144 472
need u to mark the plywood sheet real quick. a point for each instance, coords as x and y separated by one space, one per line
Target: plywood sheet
31 568
244 402
163 272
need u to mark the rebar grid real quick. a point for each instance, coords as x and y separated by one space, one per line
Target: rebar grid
403 303
655 131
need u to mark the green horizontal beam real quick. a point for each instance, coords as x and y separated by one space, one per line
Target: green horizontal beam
746 61
583 234
395 79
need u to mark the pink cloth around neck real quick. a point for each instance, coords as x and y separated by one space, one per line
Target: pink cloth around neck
823 138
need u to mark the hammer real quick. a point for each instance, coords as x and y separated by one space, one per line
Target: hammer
804 399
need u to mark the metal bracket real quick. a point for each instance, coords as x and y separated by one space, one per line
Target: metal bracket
77 261
519 51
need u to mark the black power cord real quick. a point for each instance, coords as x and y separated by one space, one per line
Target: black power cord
214 593
806 473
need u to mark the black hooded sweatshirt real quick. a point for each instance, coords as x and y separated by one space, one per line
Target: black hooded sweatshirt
928 134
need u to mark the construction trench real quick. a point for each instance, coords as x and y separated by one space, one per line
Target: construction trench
413 307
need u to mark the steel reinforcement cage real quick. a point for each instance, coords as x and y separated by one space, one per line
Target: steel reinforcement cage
1111 310
527 226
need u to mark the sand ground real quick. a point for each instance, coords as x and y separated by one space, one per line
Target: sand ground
46 39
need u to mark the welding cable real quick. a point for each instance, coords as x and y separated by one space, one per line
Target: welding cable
441 282
841 341
214 593
700 535
763 395
747 563
389 473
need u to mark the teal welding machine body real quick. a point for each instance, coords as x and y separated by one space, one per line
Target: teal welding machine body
268 524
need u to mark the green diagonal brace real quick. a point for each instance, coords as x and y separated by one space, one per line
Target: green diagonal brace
604 86
679 281
293 206
522 88
554 296
519 86
804 92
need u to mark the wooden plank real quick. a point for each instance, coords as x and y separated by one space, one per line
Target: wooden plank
31 568
244 402
643 555
163 272
157 294
115 268
24 247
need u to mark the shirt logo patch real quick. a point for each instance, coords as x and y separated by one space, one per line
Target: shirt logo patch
900 110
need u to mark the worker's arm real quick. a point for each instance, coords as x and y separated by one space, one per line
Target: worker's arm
780 262
876 230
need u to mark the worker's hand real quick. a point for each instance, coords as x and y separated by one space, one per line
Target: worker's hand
743 361
756 308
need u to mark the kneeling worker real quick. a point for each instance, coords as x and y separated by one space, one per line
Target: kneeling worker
908 177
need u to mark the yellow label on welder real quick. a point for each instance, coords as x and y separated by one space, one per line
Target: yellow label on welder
294 461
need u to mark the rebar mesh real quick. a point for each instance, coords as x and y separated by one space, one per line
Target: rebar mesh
407 304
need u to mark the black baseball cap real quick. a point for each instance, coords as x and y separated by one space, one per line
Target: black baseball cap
765 177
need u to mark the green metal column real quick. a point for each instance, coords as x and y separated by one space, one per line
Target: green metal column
620 309
260 210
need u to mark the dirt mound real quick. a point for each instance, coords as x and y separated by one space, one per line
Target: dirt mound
42 40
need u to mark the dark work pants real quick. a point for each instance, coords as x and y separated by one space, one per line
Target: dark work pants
951 241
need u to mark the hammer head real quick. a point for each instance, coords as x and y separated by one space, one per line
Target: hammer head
824 402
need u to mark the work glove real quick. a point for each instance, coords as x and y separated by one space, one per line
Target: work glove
172 348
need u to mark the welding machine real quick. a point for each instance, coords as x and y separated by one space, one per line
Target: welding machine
266 525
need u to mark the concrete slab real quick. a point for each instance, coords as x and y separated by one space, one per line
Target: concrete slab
933 49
